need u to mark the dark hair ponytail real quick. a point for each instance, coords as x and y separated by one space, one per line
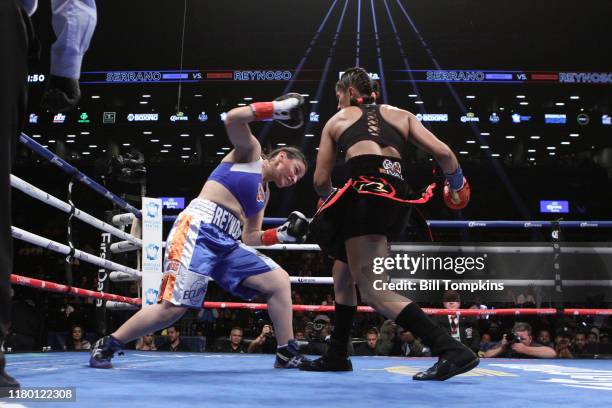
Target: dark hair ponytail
359 79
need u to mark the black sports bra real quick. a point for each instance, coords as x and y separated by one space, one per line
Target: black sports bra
371 126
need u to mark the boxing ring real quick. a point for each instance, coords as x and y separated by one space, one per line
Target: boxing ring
236 380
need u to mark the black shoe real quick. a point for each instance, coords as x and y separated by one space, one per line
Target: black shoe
331 361
7 383
445 369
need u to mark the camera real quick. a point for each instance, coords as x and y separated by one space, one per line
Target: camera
512 338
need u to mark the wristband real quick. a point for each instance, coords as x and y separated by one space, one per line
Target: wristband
269 237
455 180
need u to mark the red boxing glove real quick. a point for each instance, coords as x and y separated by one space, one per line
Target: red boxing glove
463 196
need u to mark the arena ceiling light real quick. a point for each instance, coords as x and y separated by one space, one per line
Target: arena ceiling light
535 137
85 153
463 152
531 151
95 96
154 140
92 146
247 98
484 147
413 95
281 144
51 141
184 134
146 96
470 141
574 97
226 148
126 144
167 145
147 132
510 137
208 135
565 143
84 133
495 155
531 159
185 157
551 147
186 148
419 102
71 135
314 102
242 104
36 136
163 151
143 102
309 135
520 96
470 97
69 141
574 134
220 153
560 103
198 95
552 154
485 134
524 103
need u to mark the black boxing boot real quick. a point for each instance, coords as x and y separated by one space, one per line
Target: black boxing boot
453 357
336 358
7 383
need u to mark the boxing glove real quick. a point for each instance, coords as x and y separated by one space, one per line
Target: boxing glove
288 110
292 231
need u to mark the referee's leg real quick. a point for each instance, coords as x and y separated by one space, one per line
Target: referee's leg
13 81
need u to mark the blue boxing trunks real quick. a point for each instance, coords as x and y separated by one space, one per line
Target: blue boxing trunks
203 244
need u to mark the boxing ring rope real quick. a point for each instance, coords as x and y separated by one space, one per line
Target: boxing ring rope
73 171
43 242
59 288
47 198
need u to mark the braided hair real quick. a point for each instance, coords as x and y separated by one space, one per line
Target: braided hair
360 80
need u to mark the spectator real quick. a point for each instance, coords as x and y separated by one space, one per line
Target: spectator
265 342
562 345
146 343
593 336
75 341
485 344
522 346
173 341
236 344
581 348
544 338
388 340
369 347
329 300
316 333
410 346
463 329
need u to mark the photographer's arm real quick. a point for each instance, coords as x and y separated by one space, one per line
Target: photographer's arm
496 351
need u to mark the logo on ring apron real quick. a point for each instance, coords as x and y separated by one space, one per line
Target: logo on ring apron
152 251
151 296
392 168
152 209
261 194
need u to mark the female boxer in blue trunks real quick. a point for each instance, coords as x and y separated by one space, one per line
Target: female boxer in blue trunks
204 241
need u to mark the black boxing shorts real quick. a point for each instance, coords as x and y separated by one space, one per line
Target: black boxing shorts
374 201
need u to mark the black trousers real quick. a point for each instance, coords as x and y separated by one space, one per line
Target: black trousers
13 94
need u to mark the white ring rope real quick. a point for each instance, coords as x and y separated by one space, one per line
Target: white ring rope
47 198
123 219
65 249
